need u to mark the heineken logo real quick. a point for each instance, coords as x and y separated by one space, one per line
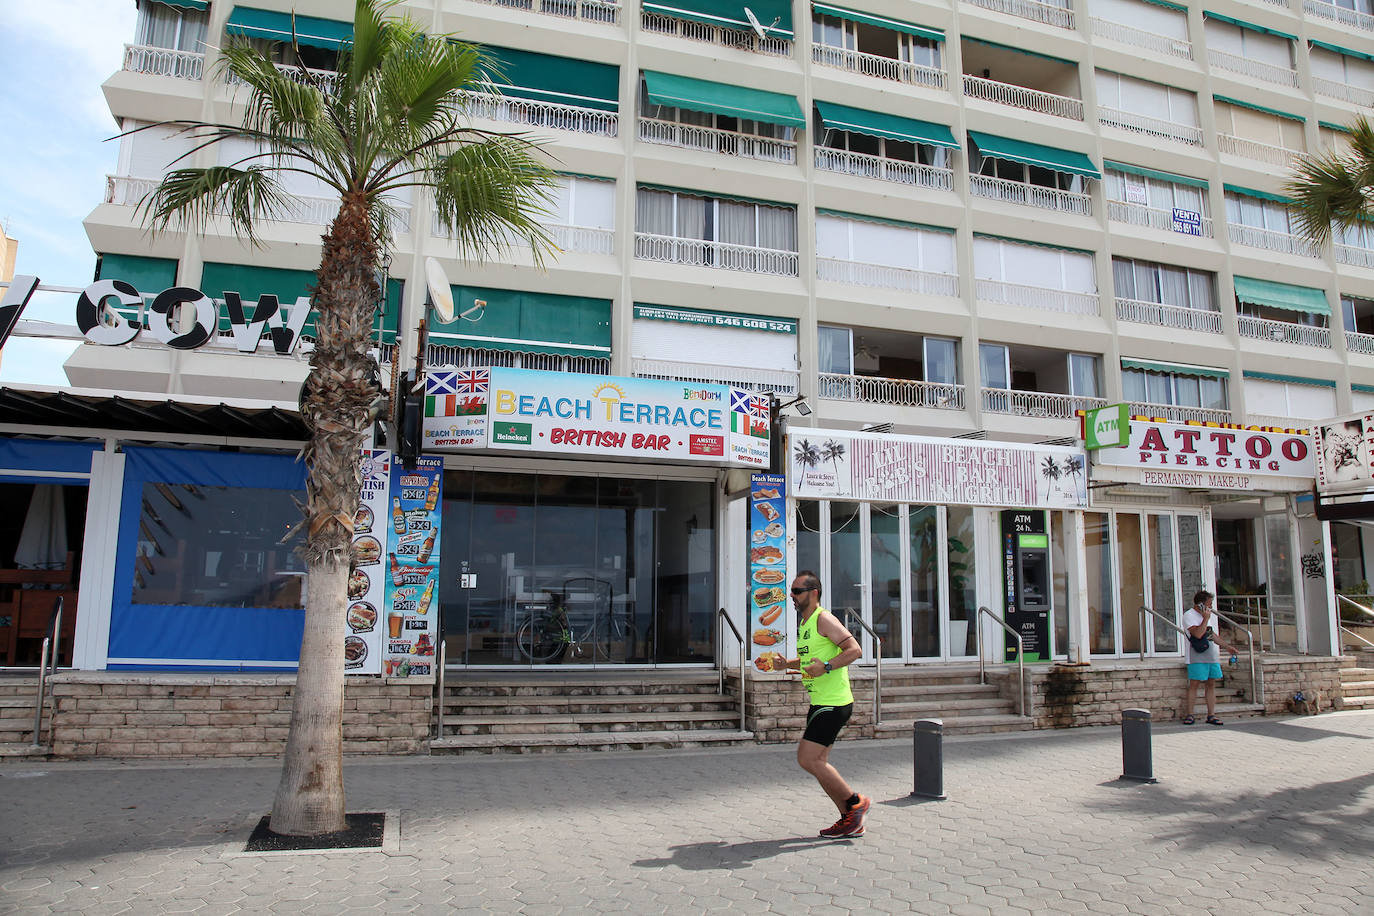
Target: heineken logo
511 434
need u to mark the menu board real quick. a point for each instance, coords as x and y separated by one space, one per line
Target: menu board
366 585
767 619
411 568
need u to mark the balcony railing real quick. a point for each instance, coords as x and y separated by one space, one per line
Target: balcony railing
586 10
326 80
1253 149
1356 95
898 392
1280 422
1048 13
126 191
1037 403
1359 343
880 276
885 68
1154 217
182 65
672 250
1129 35
1253 237
1284 331
781 381
1030 195
1176 413
1339 13
584 239
1359 257
715 35
543 114
865 166
1252 68
1151 127
1038 297
1061 106
463 357
1168 316
714 140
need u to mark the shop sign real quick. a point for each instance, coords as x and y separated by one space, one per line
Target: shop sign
1344 447
364 622
412 568
1205 456
767 603
1107 427
717 319
594 416
919 469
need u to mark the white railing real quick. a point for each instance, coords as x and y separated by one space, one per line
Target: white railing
1061 106
326 80
543 114
1176 413
873 65
1037 403
1252 68
865 166
672 250
1356 95
714 140
881 276
1037 297
1152 127
1359 343
126 191
898 392
313 211
1154 217
1283 331
1048 13
584 239
463 357
1030 195
1129 35
1253 237
1280 3
586 10
1168 316
750 378
1253 149
1269 419
715 34
1340 14
182 65
1359 257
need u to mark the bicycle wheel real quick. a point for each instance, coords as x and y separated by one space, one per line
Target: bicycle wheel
541 640
609 635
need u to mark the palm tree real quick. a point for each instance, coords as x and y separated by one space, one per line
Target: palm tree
1334 189
1073 466
1051 472
395 118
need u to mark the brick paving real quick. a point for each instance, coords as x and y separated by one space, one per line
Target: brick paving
1260 816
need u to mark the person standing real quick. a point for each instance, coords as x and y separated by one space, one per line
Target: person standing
1204 665
825 649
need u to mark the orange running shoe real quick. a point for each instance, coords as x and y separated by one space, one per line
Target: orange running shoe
846 827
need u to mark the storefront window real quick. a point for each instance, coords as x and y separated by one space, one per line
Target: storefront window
808 535
1163 582
1097 542
1132 590
925 581
963 584
844 590
1347 559
885 557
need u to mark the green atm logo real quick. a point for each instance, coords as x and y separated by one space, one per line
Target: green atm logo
1107 427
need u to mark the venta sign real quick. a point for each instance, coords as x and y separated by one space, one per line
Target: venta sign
1172 454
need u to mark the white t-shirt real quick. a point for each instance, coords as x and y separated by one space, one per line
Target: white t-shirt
1192 618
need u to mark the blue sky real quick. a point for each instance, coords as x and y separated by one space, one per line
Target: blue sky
53 163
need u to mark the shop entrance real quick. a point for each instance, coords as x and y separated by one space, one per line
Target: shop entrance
40 555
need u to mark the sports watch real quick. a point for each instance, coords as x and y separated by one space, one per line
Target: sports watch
827 667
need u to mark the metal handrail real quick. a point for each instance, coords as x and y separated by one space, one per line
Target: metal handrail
51 638
443 660
1346 630
852 614
720 667
1349 632
1256 675
1356 605
1020 657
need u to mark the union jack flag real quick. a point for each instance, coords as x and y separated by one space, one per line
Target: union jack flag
758 406
458 381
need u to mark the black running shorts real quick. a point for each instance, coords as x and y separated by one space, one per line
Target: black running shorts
823 723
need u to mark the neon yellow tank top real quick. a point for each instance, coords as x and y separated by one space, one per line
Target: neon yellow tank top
830 689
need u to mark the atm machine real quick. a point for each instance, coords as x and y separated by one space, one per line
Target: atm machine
1029 597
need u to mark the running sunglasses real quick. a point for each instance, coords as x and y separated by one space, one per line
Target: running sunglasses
802 589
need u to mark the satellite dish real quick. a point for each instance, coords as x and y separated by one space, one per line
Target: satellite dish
440 293
754 23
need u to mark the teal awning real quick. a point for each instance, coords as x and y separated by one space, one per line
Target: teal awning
882 22
561 80
1290 379
1339 50
1248 25
523 322
149 276
251 283
1340 128
881 124
199 6
775 16
1254 107
1045 157
1169 177
1282 296
1173 368
723 99
1251 192
318 33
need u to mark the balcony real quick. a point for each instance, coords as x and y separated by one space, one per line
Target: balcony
1030 195
586 10
182 65
128 192
880 276
1359 343
896 392
1253 237
885 68
1253 149
1047 13
659 24
583 239
1139 38
1037 297
1150 127
703 253
1353 18
1359 257
1284 331
862 165
1153 218
1253 69
1176 413
1037 403
463 357
1060 106
780 381
1355 95
543 114
715 140
1168 316
326 80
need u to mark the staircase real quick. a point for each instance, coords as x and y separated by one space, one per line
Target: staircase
952 694
1357 680
17 694
528 713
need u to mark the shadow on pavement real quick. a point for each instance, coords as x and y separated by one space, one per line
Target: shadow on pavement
720 855
1289 731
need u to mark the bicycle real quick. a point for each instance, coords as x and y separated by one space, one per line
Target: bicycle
547 634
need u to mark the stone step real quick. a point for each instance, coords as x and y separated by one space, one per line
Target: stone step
1364 701
954 691
591 722
934 709
551 704
907 678
960 725
579 688
19 749
588 741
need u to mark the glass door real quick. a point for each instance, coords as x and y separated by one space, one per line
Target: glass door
885 591
1280 591
1163 584
923 551
848 554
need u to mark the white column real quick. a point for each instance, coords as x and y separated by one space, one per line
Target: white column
90 650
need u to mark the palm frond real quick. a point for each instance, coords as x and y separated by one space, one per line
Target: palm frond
1334 188
487 192
191 197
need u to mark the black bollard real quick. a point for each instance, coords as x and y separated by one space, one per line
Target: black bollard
928 758
1136 757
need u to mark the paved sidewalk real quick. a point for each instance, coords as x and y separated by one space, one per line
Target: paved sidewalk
1261 816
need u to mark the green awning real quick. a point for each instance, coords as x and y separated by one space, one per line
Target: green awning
881 124
561 80
882 22
149 276
1169 6
882 220
1173 368
775 16
199 6
1261 108
1020 50
1169 177
1282 296
1341 128
1248 25
723 99
1251 192
524 322
1362 389
251 22
1046 157
1290 379
251 283
1339 50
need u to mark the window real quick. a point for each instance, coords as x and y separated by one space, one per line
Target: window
1250 44
733 222
836 346
1008 170
1359 236
1145 16
1259 126
1006 261
941 360
866 39
1244 210
1155 193
1341 68
1295 398
1173 388
882 147
1145 281
1358 314
152 151
163 26
1154 100
708 119
906 247
993 366
1083 375
586 202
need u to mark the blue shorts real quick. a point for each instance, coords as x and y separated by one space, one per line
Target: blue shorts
1204 671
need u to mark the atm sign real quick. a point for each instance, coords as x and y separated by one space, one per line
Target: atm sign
1107 427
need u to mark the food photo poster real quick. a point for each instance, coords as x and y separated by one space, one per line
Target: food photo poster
767 568
366 583
412 568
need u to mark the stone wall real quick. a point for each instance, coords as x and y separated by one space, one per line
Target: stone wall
775 708
113 714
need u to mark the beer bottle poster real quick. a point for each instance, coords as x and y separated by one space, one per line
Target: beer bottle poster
767 605
411 568
364 622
